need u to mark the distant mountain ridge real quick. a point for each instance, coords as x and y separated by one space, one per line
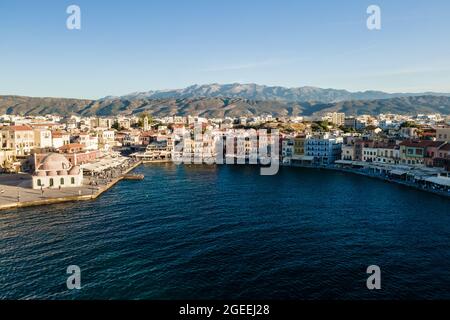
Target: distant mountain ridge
219 106
273 93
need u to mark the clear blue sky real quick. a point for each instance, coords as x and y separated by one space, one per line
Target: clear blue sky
128 46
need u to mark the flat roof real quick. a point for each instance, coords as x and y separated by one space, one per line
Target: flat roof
440 180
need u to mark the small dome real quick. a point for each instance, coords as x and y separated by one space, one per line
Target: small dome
52 174
74 171
62 173
55 162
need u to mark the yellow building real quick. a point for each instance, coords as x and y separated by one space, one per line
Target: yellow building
299 146
20 139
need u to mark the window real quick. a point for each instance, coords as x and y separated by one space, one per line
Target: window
61 181
39 182
51 182
72 180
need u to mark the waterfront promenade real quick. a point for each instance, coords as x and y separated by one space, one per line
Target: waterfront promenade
16 191
385 178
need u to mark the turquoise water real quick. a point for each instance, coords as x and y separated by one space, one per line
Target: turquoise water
189 232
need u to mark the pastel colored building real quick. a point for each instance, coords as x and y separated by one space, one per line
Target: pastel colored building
324 148
20 139
415 152
55 171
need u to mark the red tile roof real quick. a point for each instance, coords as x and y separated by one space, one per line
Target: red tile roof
71 146
421 143
20 128
58 134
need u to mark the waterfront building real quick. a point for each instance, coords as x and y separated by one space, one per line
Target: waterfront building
299 156
107 136
359 146
348 152
212 147
442 159
156 151
414 152
299 146
287 149
54 171
444 151
131 138
324 148
387 154
369 153
436 153
90 142
147 137
443 134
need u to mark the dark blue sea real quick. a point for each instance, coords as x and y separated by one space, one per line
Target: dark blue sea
199 232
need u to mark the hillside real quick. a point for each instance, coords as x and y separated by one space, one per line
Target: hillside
218 107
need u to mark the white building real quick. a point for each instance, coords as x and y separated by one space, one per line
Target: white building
107 139
324 148
390 155
287 149
60 139
55 171
369 154
90 142
336 118
42 138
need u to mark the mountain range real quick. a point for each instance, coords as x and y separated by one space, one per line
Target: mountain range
235 100
274 93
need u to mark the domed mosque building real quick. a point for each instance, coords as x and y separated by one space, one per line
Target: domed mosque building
55 171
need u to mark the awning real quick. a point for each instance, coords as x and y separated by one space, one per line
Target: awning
303 158
442 181
398 172
343 162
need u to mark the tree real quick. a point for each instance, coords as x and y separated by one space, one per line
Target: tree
408 124
321 126
347 129
116 125
142 117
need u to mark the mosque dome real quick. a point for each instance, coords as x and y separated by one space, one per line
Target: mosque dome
55 162
74 171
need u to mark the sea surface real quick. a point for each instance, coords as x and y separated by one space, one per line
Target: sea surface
226 232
